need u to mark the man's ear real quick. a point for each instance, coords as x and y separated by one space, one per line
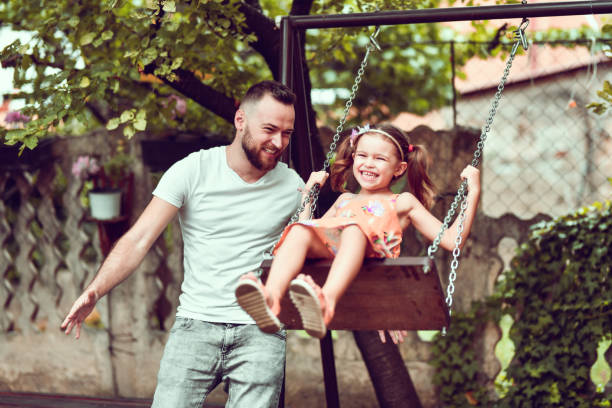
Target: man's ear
240 120
401 168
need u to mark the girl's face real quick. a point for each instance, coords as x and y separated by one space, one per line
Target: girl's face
375 163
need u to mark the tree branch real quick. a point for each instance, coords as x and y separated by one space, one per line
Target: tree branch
267 44
191 86
268 35
301 7
13 61
95 110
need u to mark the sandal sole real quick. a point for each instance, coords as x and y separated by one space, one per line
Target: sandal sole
252 300
307 303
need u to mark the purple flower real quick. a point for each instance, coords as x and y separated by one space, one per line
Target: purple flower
85 166
180 106
16 116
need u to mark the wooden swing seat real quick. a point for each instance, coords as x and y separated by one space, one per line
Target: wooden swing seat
389 294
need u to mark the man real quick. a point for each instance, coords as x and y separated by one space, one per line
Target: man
232 202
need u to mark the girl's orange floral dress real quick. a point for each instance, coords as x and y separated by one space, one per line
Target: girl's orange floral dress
376 217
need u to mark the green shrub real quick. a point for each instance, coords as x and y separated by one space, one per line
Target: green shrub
559 294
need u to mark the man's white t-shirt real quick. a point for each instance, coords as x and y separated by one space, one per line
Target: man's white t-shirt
226 225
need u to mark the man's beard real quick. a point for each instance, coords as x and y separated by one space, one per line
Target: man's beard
252 153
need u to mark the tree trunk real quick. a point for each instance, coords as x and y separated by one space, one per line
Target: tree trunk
387 371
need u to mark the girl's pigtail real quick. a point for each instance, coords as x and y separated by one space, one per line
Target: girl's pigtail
418 178
342 166
417 158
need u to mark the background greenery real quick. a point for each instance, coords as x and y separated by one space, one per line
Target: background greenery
558 295
132 65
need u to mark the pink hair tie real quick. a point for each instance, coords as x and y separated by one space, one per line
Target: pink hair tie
354 135
410 148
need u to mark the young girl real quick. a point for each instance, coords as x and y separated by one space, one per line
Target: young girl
365 224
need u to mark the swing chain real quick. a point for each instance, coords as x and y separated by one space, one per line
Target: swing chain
349 103
313 194
456 253
461 196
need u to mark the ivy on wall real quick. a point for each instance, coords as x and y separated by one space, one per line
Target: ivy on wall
458 379
559 294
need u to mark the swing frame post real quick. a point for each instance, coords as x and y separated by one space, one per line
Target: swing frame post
291 68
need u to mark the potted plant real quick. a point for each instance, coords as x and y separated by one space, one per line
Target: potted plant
106 183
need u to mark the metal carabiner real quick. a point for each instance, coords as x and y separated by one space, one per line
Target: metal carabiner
520 33
373 39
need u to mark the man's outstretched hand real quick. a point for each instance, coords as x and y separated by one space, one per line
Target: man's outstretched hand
81 308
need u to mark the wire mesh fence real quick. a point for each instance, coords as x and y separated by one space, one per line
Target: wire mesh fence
546 152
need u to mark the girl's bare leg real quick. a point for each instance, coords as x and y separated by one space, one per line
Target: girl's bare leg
300 242
344 269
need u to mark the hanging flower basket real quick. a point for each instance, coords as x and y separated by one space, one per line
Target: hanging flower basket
105 204
108 181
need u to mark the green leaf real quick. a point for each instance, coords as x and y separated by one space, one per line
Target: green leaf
30 142
74 21
176 63
169 6
148 56
107 35
14 136
128 132
151 4
127 116
130 53
190 37
141 115
113 124
85 82
140 124
87 38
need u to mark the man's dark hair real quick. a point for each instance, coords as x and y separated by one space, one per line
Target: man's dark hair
278 91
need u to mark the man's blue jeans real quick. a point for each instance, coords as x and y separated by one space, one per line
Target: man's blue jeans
199 355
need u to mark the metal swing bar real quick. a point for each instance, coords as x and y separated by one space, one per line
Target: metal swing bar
438 15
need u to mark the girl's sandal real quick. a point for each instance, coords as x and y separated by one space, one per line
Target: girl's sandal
310 306
251 296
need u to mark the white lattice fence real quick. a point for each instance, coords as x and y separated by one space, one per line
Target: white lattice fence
32 238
